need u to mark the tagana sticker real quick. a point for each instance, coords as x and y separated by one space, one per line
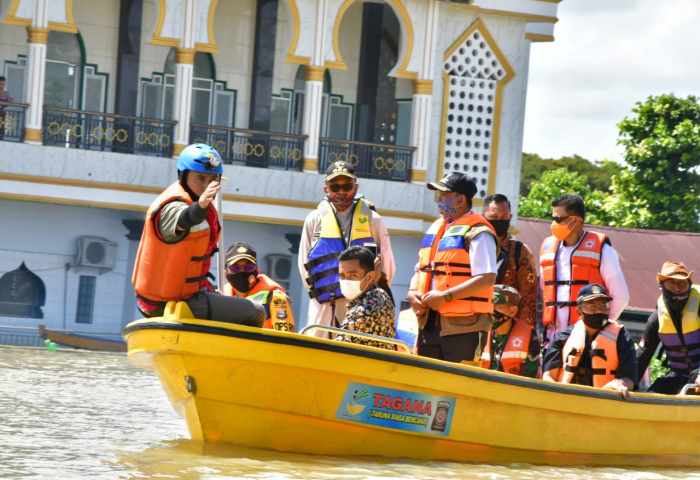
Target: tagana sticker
397 409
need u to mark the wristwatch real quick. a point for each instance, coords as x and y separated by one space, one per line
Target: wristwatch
448 296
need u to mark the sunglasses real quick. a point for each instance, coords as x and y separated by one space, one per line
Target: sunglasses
600 308
563 219
248 268
346 187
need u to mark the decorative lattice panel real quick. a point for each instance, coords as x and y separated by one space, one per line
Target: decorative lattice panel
473 71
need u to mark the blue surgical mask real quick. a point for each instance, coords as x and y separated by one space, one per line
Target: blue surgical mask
446 207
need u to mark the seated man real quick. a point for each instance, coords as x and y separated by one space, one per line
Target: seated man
676 325
595 351
246 281
369 309
512 344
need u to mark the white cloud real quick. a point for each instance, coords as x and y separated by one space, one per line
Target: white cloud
607 55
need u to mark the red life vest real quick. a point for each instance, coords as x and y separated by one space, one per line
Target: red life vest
603 353
585 269
174 271
444 258
516 350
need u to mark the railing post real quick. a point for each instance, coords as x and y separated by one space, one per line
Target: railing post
313 99
37 37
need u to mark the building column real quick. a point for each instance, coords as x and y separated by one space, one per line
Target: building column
420 128
312 116
37 37
182 109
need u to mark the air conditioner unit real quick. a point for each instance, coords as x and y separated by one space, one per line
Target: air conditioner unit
279 268
96 252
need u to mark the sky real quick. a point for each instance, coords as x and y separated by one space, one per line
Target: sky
607 55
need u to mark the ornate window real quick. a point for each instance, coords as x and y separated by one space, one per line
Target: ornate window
474 73
22 294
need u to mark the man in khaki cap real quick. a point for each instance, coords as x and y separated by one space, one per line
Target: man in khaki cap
675 324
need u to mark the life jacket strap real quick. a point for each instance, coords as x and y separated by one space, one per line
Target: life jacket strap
315 292
560 304
598 352
566 282
312 279
319 260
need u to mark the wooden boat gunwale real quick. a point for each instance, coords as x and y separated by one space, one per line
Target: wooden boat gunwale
80 341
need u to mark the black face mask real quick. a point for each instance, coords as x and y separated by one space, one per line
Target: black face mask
595 320
499 319
501 226
675 297
240 281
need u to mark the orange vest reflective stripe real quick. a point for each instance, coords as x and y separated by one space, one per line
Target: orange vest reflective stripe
516 350
260 293
603 353
444 259
174 271
585 269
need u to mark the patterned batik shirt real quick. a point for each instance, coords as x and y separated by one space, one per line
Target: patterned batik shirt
372 312
522 277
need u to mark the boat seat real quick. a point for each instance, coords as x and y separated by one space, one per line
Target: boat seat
176 311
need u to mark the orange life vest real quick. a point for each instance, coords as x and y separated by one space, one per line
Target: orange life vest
585 269
444 258
516 350
174 271
260 293
603 353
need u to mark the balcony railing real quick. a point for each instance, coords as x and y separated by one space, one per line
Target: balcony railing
252 148
371 160
108 132
12 121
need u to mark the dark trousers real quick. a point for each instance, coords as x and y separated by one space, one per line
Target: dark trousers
453 348
673 383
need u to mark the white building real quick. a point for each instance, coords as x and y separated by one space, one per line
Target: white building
107 92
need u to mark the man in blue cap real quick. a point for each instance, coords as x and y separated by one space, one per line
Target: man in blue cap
595 350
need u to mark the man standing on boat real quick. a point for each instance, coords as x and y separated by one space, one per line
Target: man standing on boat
451 292
179 238
571 258
244 280
512 345
516 264
596 351
676 325
343 219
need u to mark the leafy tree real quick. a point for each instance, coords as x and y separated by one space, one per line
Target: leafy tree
599 174
558 182
660 189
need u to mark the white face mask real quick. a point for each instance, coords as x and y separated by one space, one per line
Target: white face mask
351 289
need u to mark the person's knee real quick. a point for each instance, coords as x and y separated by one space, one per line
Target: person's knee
258 318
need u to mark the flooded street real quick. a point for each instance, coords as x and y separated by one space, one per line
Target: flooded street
83 415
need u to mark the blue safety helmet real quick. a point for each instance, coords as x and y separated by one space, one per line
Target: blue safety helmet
199 157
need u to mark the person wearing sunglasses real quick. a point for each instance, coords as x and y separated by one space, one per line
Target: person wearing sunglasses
342 219
451 292
572 258
246 281
595 351
180 237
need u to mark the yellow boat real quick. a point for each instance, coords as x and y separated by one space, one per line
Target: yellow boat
296 393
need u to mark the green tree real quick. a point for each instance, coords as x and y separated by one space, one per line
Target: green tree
558 182
660 189
599 174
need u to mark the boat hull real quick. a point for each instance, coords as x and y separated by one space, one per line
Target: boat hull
82 341
293 393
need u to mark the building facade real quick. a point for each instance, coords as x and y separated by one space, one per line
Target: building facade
105 95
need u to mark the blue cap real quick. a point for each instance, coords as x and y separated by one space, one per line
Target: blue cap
591 292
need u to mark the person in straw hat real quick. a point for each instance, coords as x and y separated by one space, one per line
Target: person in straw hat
676 325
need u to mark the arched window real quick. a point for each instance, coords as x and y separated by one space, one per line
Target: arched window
212 102
22 294
64 60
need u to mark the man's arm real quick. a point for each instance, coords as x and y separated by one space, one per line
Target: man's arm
553 361
614 281
526 283
307 234
648 344
381 237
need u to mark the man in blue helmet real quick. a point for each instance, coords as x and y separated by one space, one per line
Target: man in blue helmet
180 236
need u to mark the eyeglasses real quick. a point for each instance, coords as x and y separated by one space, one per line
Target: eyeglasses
563 219
595 308
248 267
346 187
